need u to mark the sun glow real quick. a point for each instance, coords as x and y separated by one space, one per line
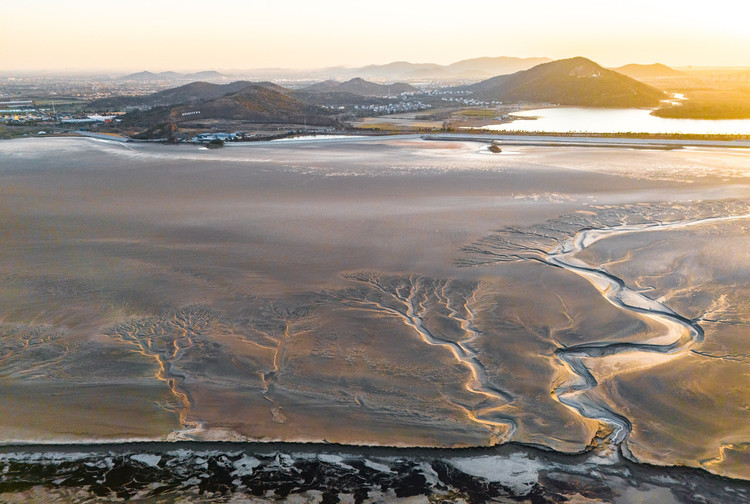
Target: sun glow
183 35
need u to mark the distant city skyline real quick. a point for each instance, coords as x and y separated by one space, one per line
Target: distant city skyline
187 35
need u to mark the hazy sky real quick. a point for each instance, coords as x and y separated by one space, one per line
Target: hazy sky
228 34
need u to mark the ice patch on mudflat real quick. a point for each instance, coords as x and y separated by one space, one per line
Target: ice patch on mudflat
147 459
377 467
335 460
245 465
517 472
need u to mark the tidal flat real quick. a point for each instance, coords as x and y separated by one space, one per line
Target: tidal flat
388 292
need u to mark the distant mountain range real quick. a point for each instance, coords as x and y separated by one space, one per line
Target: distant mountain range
470 69
575 81
654 71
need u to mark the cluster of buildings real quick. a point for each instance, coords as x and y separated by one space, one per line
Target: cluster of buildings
75 87
224 137
21 117
242 136
22 111
452 92
92 118
19 111
470 101
393 108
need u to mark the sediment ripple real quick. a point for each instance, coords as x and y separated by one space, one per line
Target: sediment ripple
30 351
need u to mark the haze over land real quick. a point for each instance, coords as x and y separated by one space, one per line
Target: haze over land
193 36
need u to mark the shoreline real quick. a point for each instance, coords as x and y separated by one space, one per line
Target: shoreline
526 139
549 140
216 471
594 455
264 447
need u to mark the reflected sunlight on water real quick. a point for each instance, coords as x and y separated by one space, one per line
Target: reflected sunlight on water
604 120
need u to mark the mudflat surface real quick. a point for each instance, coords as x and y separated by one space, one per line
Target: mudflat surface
393 292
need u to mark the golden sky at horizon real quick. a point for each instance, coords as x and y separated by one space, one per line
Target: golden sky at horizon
162 35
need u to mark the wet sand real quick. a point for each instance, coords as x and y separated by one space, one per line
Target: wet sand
705 387
419 293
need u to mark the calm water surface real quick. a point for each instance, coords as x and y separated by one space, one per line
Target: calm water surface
604 120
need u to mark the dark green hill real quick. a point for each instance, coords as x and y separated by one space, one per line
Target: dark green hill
575 81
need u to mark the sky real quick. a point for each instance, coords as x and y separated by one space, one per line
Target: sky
160 35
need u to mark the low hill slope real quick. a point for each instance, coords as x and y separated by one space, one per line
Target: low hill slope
360 87
337 99
256 103
655 71
399 70
501 65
